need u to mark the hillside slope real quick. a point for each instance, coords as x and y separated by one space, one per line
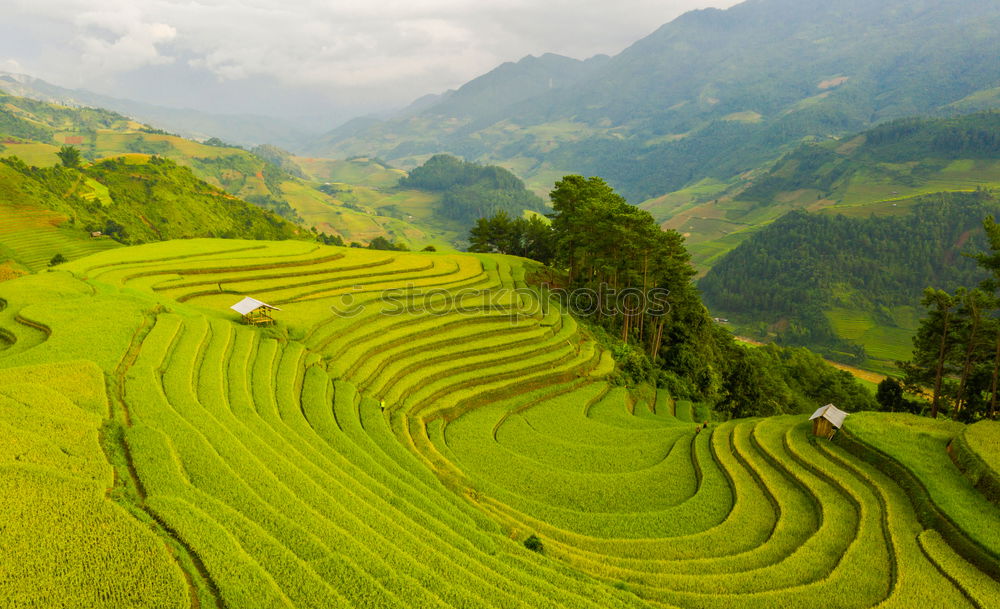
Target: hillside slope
356 199
135 199
397 452
851 286
881 171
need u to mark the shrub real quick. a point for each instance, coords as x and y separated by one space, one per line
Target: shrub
534 544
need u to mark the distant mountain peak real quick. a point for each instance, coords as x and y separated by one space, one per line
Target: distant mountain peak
714 93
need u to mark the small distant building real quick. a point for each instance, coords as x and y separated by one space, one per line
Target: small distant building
255 312
827 420
96 233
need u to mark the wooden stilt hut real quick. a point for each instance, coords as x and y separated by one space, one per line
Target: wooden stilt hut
827 420
255 312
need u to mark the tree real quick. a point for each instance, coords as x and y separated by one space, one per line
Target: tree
381 243
537 238
970 319
327 239
469 190
115 230
69 156
890 397
57 259
495 234
583 208
531 238
933 347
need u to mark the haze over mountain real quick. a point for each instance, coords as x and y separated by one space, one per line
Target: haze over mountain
713 93
245 130
305 59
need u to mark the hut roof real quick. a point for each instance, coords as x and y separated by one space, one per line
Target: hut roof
251 304
830 413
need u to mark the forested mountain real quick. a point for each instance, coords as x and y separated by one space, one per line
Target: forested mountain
812 278
717 92
471 191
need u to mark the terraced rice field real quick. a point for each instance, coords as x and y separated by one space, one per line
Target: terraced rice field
31 237
409 422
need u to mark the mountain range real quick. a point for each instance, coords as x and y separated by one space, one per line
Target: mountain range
712 94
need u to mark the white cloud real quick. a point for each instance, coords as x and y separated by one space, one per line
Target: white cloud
105 37
397 49
10 65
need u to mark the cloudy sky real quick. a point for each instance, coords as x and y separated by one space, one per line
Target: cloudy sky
305 57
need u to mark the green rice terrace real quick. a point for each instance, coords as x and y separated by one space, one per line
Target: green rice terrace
428 430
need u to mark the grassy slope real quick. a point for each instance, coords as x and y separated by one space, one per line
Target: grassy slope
396 457
880 171
715 227
55 211
356 216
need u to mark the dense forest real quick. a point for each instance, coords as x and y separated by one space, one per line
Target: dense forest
804 263
470 190
632 282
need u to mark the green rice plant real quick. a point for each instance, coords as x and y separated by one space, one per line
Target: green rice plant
48 431
426 273
649 456
53 471
737 538
823 562
501 380
683 410
491 472
33 236
192 251
617 409
403 351
259 281
423 379
976 451
272 457
916 581
279 289
919 446
105 559
238 383
229 489
147 276
387 363
981 589
81 379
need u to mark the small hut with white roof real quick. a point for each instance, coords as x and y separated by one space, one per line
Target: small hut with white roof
827 420
255 312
